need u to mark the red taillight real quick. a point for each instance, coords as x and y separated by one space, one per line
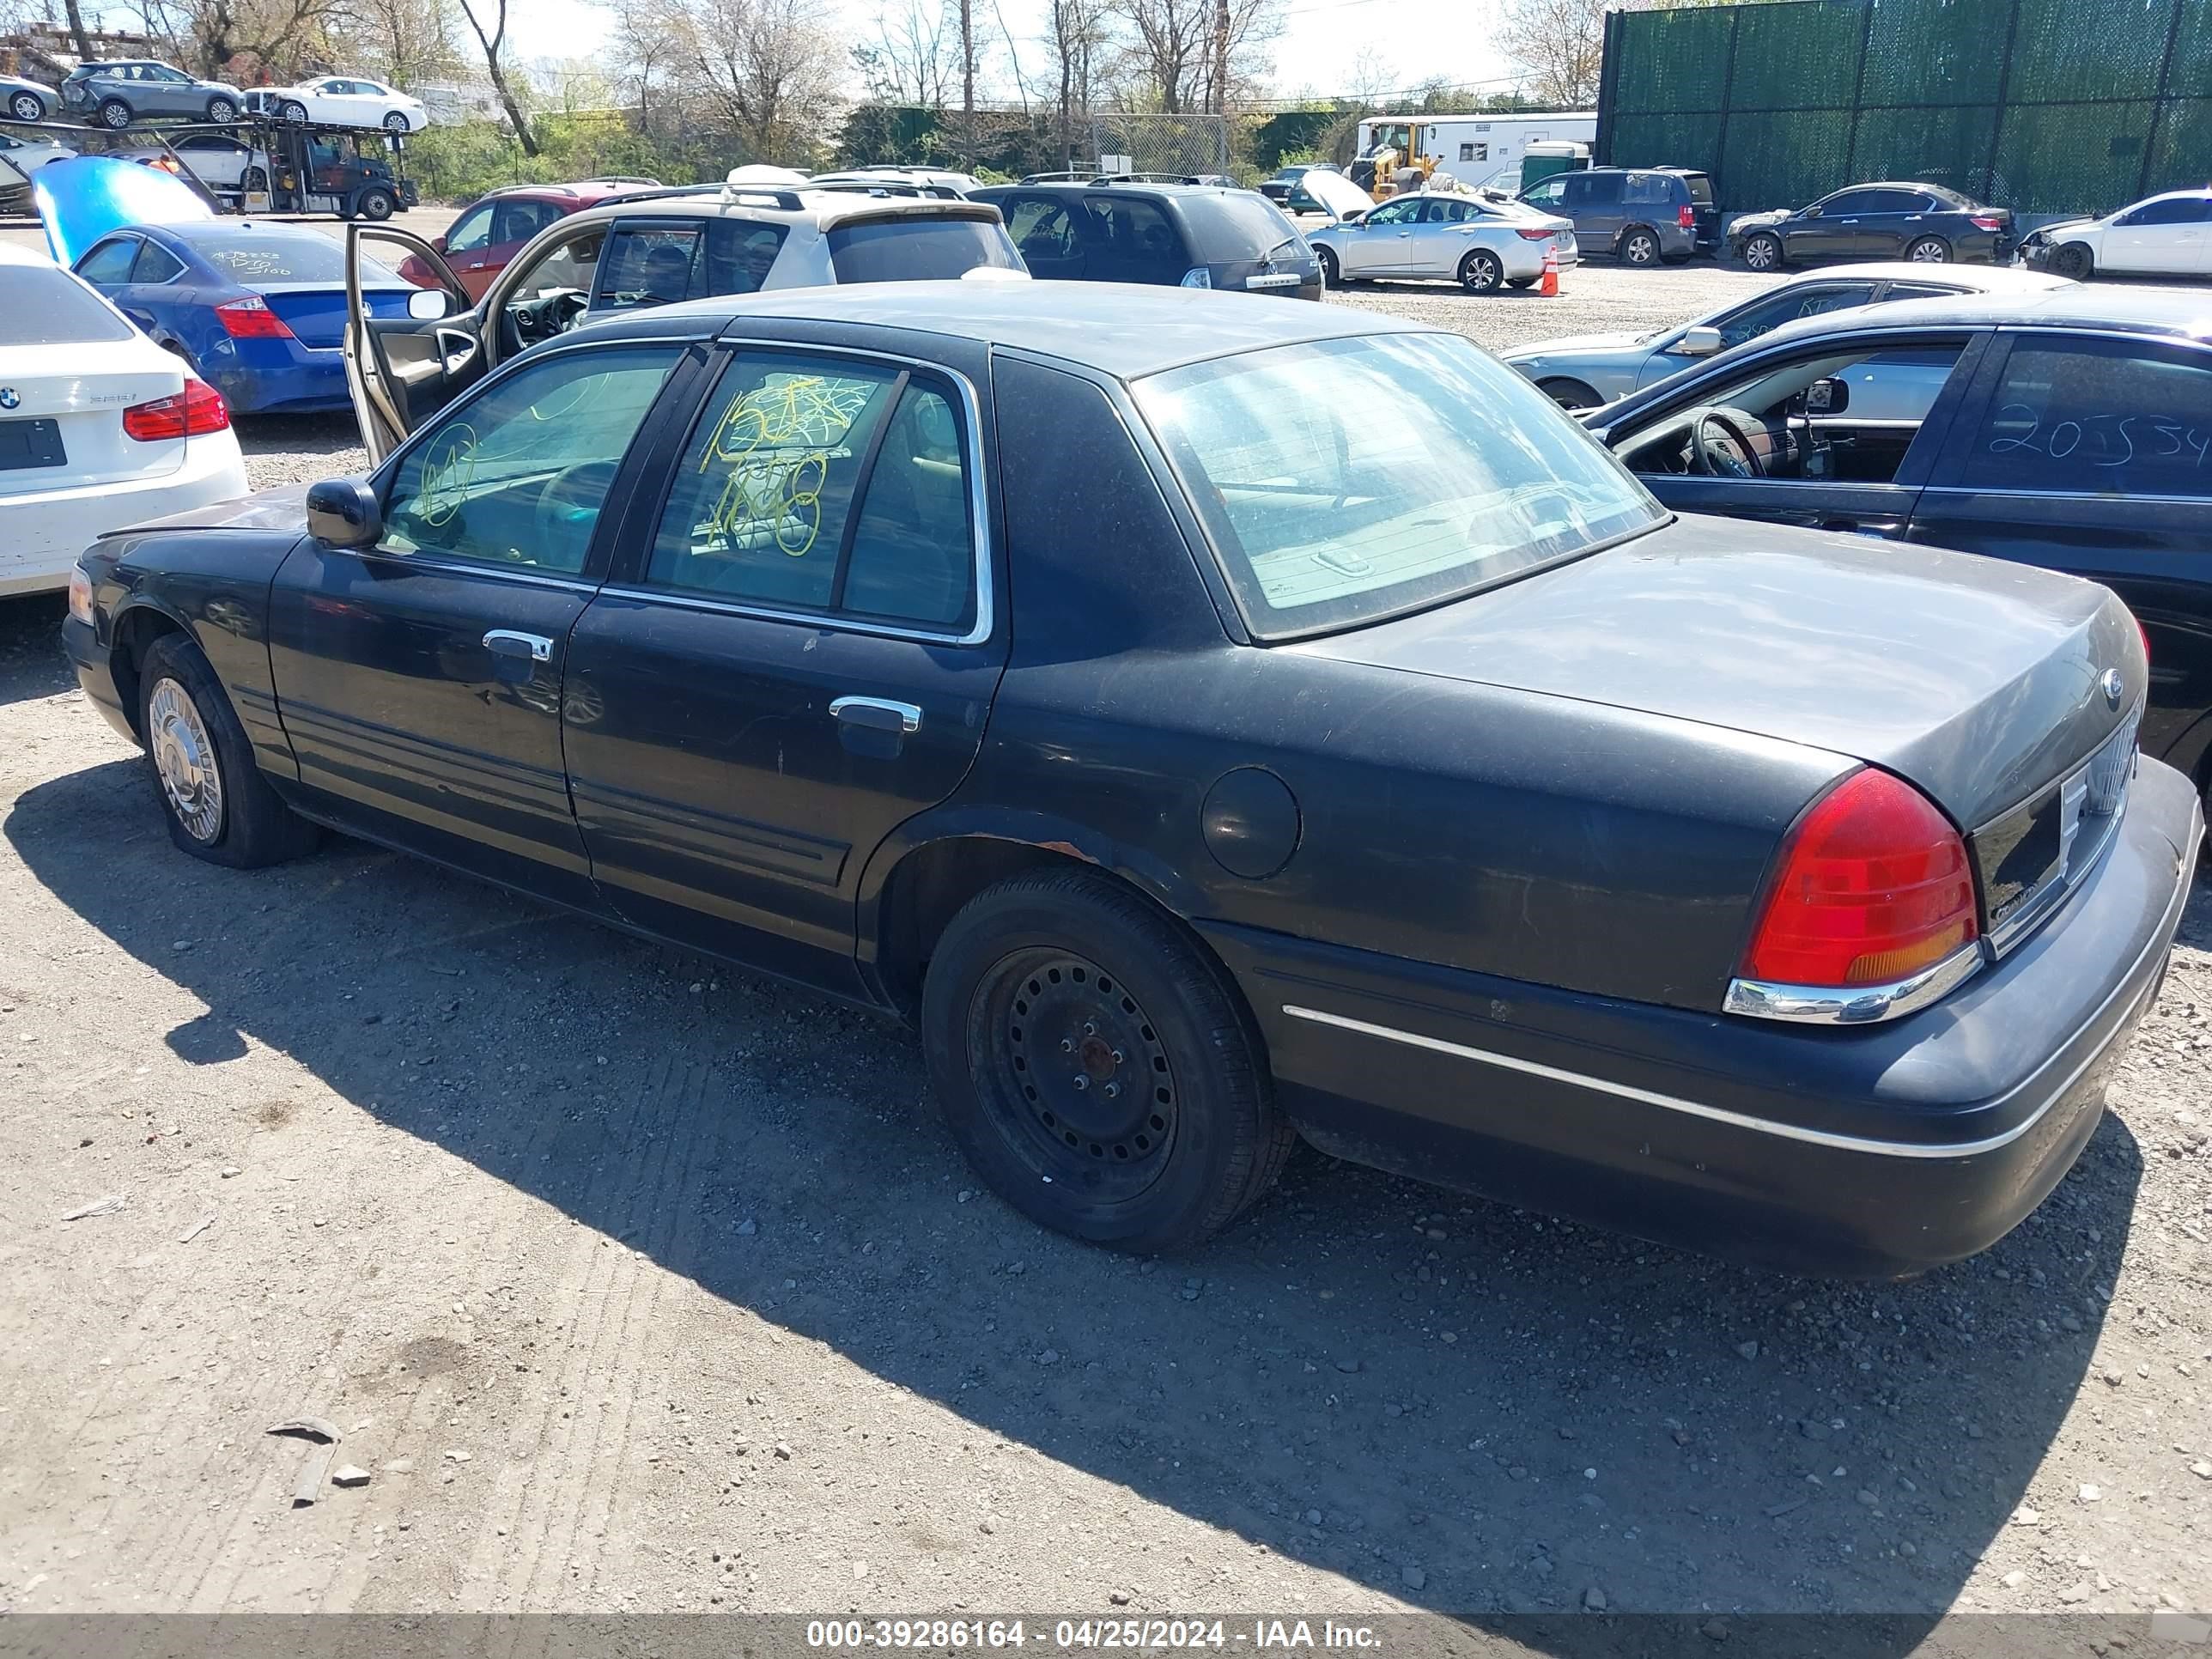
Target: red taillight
1687 217
1541 233
1873 887
250 318
198 408
1987 221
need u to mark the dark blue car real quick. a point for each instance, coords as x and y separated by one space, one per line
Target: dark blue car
257 309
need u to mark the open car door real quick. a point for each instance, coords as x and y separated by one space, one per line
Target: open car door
402 370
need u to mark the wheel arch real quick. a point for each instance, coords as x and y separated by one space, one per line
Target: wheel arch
1620 240
131 635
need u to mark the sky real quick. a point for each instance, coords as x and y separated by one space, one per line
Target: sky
1321 42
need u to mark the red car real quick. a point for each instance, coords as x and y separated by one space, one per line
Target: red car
492 229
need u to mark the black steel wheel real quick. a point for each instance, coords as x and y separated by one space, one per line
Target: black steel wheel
1098 1069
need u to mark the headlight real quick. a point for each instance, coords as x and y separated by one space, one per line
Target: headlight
1198 276
79 595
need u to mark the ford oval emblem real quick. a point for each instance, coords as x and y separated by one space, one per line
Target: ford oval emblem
8 397
2115 687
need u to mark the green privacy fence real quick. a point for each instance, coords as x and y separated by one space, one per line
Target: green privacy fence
2041 105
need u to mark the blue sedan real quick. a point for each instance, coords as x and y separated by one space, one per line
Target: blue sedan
259 310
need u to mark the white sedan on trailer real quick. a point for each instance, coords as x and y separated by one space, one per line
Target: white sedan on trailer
343 101
100 427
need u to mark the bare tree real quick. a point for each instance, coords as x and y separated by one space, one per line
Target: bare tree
1371 78
1079 35
493 44
913 56
241 38
405 40
648 51
1561 44
1177 47
769 69
78 37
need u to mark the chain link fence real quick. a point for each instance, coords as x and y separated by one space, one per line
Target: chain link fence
2044 106
1159 143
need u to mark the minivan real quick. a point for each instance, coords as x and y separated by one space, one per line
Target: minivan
1638 215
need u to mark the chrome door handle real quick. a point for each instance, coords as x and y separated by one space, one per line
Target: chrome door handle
506 642
877 714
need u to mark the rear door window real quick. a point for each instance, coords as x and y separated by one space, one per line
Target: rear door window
109 264
2097 417
648 265
740 253
1133 240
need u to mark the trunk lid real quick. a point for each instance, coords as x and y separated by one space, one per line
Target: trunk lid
317 315
1978 681
69 400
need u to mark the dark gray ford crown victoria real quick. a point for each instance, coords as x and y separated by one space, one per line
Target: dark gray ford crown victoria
1213 723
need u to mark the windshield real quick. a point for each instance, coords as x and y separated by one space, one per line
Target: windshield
1344 481
908 249
45 305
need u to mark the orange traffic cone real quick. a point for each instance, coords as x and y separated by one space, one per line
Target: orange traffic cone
1549 288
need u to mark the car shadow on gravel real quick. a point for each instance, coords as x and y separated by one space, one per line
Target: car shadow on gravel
1478 1410
31 660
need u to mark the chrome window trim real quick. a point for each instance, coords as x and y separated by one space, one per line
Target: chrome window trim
453 567
979 514
2087 496
1858 1004
2160 940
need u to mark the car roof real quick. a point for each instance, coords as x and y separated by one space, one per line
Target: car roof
1125 329
820 207
2172 313
1968 279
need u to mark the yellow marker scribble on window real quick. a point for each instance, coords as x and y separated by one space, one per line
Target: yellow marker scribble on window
776 442
449 469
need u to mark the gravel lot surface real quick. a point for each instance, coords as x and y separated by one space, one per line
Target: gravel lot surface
636 1283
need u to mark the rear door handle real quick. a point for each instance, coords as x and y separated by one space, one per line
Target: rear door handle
877 714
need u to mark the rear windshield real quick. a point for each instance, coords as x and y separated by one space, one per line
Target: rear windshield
309 258
1344 481
1235 225
916 250
51 307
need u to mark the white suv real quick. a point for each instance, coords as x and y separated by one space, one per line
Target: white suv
650 248
100 427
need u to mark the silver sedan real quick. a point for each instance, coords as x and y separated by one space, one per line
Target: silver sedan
1582 371
1479 242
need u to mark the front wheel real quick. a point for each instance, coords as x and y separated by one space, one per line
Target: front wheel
1763 252
376 205
2074 260
1330 276
1481 272
1929 251
222 110
292 110
395 122
1570 394
218 805
1639 247
27 107
115 115
253 179
1101 1073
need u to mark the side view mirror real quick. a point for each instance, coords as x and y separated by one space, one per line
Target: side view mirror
439 243
427 305
344 512
1698 343
1828 396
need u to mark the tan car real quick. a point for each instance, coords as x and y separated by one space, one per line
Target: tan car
649 248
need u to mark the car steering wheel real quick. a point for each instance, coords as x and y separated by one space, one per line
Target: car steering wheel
569 504
1722 446
552 312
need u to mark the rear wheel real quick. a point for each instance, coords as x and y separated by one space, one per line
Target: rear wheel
2074 260
1329 273
1481 272
253 179
292 110
376 205
115 114
1763 252
1570 394
1929 251
1639 247
222 109
219 806
1098 1070
27 107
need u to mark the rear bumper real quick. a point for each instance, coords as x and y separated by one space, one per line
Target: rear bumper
1877 1150
46 532
265 376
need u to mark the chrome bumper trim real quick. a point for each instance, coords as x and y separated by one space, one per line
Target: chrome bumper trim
1858 1004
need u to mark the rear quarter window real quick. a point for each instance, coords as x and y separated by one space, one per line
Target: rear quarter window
912 249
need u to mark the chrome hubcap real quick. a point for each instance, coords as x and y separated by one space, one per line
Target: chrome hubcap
184 758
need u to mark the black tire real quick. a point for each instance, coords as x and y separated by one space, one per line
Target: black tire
1482 272
115 114
376 205
253 179
1100 988
1570 394
1330 276
1763 252
395 122
222 110
248 827
27 107
292 110
2074 260
1639 247
1522 282
1928 251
